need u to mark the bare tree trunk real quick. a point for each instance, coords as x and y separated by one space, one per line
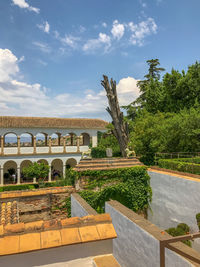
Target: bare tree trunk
120 127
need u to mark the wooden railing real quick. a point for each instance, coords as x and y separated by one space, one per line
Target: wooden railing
166 244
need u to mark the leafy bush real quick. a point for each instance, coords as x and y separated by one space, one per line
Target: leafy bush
36 170
132 190
198 220
178 165
181 229
98 152
69 179
195 160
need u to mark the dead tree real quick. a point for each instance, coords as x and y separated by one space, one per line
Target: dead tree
120 130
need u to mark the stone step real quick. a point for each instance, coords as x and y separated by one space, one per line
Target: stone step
109 165
84 162
105 261
110 159
107 168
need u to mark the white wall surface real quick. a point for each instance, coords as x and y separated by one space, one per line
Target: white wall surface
174 200
135 247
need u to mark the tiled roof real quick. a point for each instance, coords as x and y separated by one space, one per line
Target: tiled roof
9 213
43 122
24 237
36 192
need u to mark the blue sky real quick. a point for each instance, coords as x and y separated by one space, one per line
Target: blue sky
53 53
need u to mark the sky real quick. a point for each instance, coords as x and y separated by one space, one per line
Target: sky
53 53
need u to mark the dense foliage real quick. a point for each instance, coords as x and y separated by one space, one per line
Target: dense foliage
181 229
166 132
129 186
106 140
36 170
179 165
166 115
198 220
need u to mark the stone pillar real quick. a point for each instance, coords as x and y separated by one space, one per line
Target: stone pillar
45 140
2 145
78 143
49 144
18 175
34 145
49 177
64 144
2 178
59 136
18 144
64 169
94 141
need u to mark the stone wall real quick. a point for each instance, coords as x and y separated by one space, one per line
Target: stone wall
42 204
137 242
79 207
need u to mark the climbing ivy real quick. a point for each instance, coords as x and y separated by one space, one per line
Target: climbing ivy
131 188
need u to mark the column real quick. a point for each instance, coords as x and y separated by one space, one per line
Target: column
49 144
94 141
64 169
78 143
45 140
2 145
64 144
18 144
34 145
2 178
49 177
59 136
18 175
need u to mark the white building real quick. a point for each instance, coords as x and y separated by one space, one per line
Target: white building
56 141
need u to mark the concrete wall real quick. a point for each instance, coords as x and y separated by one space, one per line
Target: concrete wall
135 245
57 256
79 207
175 200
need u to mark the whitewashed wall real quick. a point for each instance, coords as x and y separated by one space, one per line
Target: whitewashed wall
136 247
175 200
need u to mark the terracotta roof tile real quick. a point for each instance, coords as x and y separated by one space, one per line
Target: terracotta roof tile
40 122
9 213
36 235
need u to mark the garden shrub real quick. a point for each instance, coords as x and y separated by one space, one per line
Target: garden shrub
198 220
132 188
178 165
98 152
181 229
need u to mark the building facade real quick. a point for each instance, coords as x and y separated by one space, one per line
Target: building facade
58 142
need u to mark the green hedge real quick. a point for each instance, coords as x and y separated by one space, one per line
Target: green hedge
181 229
131 188
178 165
26 186
195 160
100 152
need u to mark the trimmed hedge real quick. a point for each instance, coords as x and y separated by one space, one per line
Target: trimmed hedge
100 152
26 186
178 165
181 229
195 160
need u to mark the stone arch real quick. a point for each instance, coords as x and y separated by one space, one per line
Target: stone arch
71 139
26 140
71 162
25 163
41 139
85 139
56 168
10 139
10 172
43 161
55 139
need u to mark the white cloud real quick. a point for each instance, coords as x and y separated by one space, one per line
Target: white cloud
82 29
20 98
104 24
70 40
45 27
93 44
117 30
8 65
24 4
141 30
42 46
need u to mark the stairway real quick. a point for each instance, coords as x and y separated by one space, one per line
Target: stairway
107 163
